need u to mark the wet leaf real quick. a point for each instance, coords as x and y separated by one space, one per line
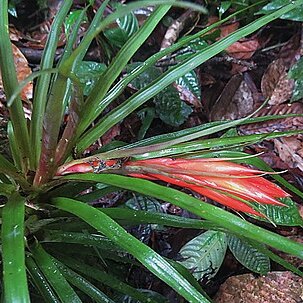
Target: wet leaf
126 27
286 216
235 101
291 123
242 49
89 73
204 254
249 256
294 15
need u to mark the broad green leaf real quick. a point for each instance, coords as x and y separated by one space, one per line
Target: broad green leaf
168 105
224 6
88 73
296 73
127 26
294 15
204 254
191 47
249 256
190 82
170 108
280 215
144 203
147 116
298 91
71 20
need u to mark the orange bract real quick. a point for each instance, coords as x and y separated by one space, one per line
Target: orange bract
228 183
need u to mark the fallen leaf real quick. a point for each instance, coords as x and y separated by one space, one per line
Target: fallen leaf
275 83
291 123
235 101
290 150
242 49
23 71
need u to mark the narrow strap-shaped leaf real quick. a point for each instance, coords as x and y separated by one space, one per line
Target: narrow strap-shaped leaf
40 281
225 142
120 12
14 146
43 83
83 284
6 189
107 279
10 83
129 216
173 74
154 262
54 277
207 211
115 68
13 254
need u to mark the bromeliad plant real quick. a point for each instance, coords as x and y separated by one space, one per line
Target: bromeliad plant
59 247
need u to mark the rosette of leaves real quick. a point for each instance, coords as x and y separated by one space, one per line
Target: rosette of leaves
57 247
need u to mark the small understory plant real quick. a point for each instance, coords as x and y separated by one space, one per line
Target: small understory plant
62 249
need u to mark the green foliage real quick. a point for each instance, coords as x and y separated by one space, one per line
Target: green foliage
88 73
52 237
288 216
204 254
294 15
249 256
126 27
168 106
296 73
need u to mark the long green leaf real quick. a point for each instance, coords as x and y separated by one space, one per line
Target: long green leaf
122 84
43 83
13 254
129 216
209 212
225 142
107 279
154 262
10 83
81 283
40 281
53 275
170 76
115 68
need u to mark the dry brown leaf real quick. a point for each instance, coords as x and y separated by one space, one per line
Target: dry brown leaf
291 123
235 101
244 48
290 150
188 96
111 134
275 83
276 287
23 71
